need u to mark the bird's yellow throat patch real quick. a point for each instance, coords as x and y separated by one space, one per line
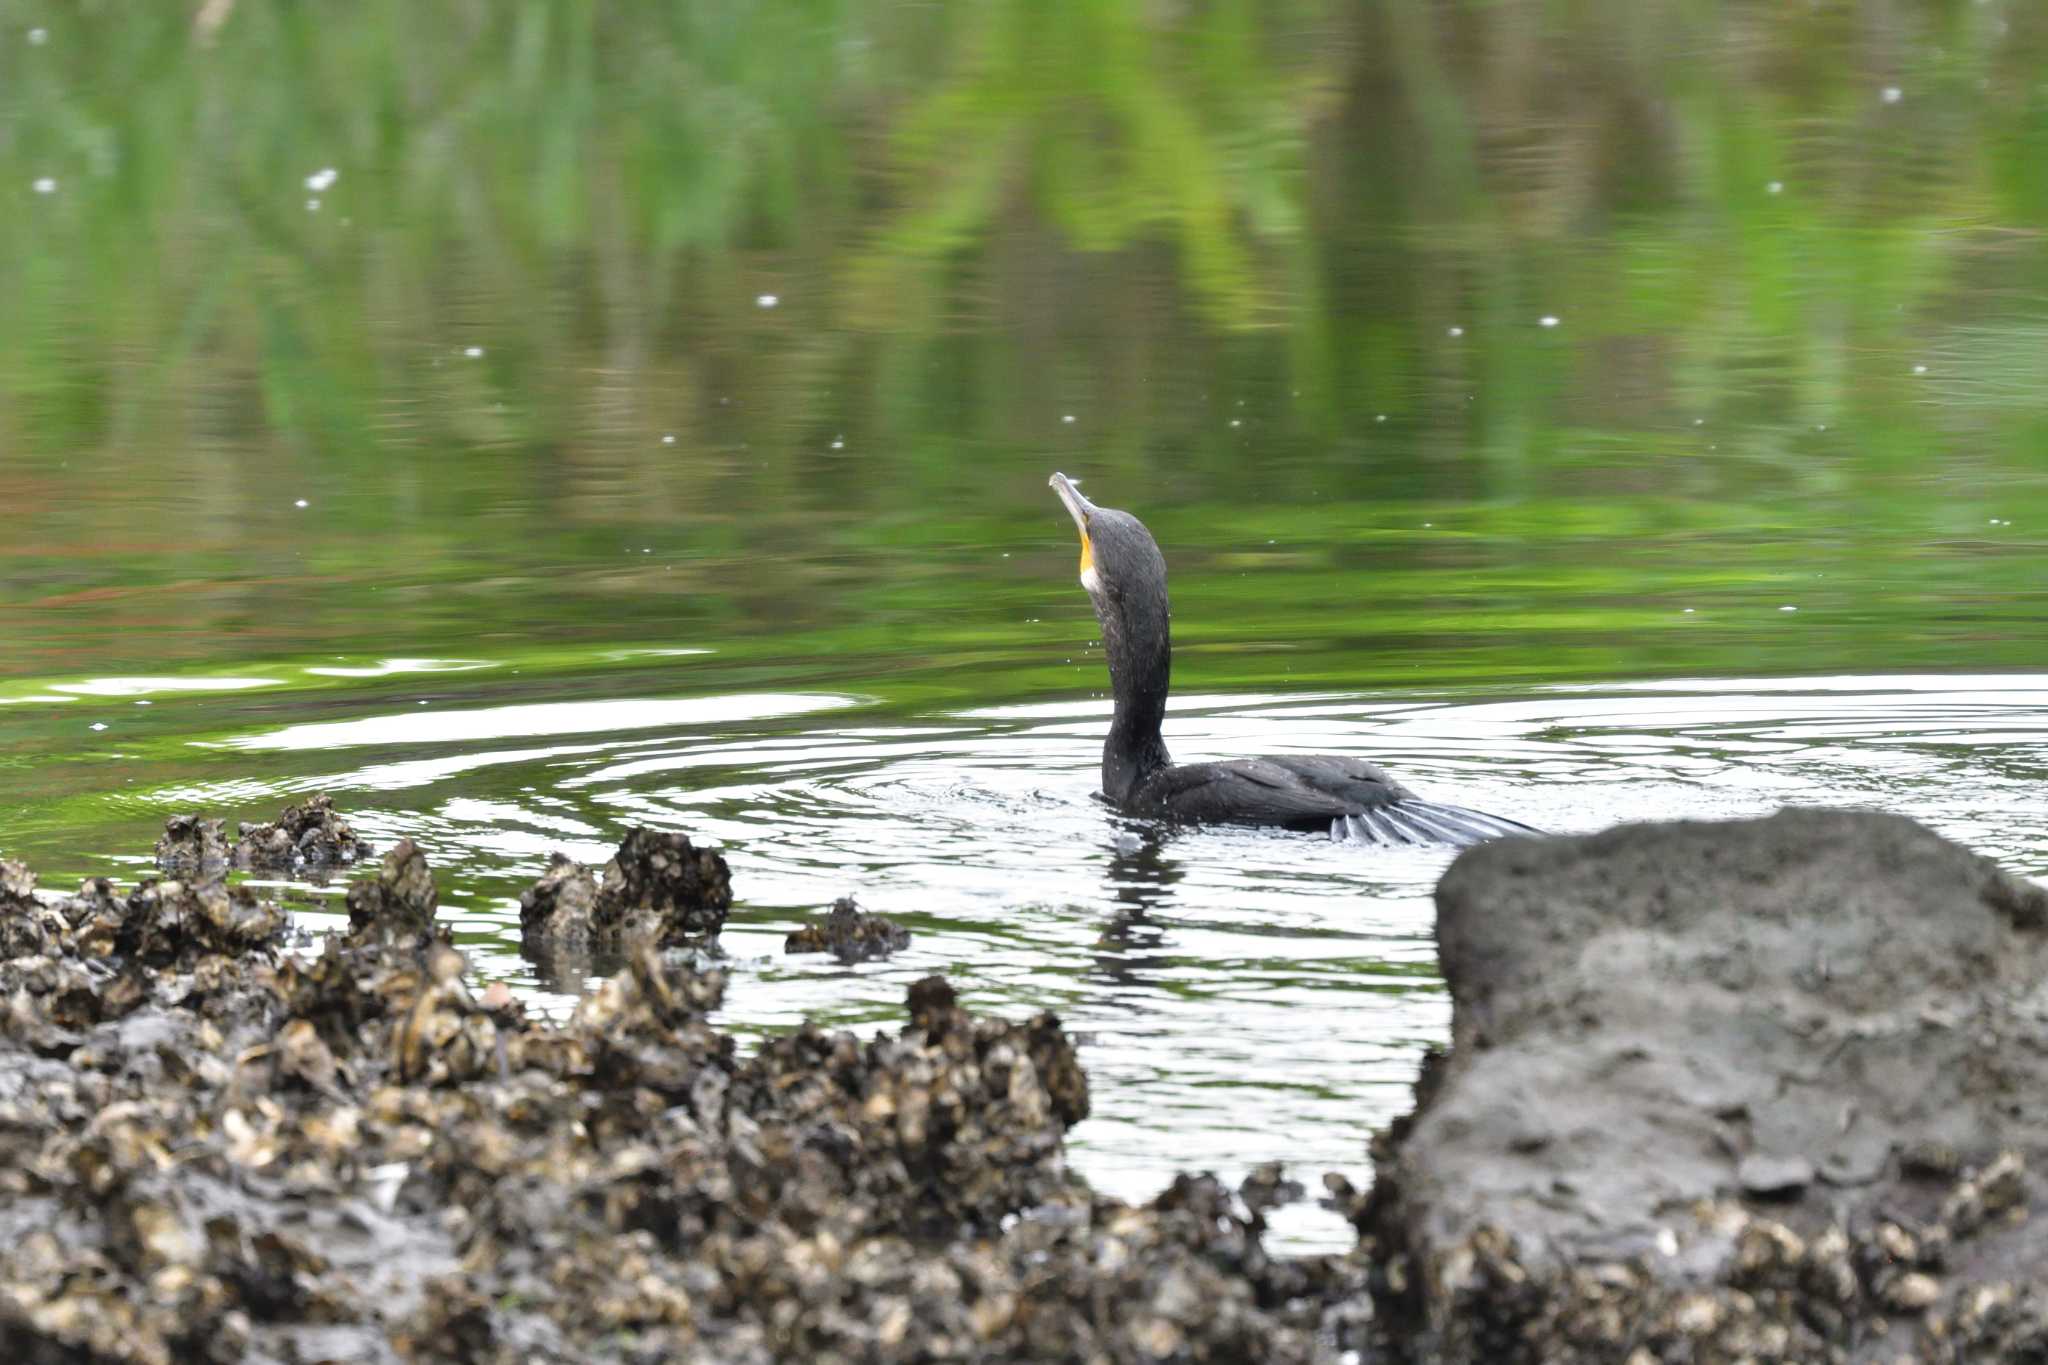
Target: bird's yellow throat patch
1087 554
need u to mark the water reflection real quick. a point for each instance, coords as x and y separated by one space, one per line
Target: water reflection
1141 878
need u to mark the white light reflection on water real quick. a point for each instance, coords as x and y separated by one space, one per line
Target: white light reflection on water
1244 995
547 718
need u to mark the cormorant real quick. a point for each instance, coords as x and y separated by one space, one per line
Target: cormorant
1125 576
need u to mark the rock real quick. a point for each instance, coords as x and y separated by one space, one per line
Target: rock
659 884
172 925
398 903
1658 1028
1773 1177
22 932
659 888
308 835
1267 1187
192 848
219 1151
562 905
849 934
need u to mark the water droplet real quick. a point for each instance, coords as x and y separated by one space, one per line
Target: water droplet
473 352
1892 94
1788 609
423 701
99 725
766 301
839 443
1919 369
300 503
1455 331
1068 419
1234 422
1699 421
669 439
1822 427
1379 417
45 185
1775 187
1546 321
38 36
1688 611
145 702
312 206
322 180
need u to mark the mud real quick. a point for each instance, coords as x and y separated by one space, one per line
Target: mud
215 1146
1759 1091
849 934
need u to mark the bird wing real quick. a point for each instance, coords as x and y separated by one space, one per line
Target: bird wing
1306 793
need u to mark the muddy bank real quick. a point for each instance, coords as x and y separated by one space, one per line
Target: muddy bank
1774 1090
216 1147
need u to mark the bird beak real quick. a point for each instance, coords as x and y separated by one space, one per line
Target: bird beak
1078 507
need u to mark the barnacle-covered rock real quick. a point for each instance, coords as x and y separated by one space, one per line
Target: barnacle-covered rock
212 1149
562 904
849 934
24 927
192 847
171 922
658 889
309 835
442 1035
399 903
661 884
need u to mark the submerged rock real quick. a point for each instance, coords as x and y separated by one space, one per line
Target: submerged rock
1687 1061
310 835
849 934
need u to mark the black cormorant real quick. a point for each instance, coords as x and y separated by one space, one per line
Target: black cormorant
1125 576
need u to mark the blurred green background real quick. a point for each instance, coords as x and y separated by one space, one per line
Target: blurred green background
1439 340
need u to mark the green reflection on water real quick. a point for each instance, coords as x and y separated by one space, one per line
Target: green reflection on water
483 284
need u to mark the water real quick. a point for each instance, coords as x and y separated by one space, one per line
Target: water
1242 995
528 420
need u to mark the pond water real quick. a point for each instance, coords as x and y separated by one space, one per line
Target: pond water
524 421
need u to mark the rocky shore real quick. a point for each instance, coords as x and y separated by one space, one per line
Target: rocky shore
1760 1091
218 1145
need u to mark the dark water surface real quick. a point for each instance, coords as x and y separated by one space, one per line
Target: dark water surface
526 420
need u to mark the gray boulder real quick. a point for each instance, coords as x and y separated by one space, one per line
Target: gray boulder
1772 1090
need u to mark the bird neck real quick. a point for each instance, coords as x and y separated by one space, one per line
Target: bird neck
1140 653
